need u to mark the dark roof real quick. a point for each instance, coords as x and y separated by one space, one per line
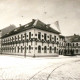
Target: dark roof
74 38
61 36
33 24
7 29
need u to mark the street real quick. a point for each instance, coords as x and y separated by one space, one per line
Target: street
39 68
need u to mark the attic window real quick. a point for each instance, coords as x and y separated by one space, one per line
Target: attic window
15 30
26 25
7 33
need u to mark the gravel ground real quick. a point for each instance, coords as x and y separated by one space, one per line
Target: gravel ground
50 68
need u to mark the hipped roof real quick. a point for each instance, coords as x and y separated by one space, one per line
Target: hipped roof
33 24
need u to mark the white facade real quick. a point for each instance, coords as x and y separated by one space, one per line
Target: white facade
32 42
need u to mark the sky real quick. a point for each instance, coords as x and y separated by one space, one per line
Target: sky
67 12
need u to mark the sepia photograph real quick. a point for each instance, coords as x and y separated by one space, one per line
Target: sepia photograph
39 39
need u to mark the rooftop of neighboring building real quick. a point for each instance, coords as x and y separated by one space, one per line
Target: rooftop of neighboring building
74 38
33 24
7 29
61 36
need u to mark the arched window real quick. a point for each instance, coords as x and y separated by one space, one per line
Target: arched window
45 49
21 49
76 44
39 49
54 49
29 48
50 49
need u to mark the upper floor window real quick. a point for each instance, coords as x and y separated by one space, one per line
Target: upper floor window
50 37
25 36
39 35
21 37
45 35
18 37
15 38
54 38
29 35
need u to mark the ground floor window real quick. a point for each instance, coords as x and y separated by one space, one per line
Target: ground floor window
39 49
54 49
50 49
29 48
45 49
76 50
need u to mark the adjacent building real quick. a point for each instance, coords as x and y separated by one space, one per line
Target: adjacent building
73 44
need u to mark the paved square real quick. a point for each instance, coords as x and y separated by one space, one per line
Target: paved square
40 68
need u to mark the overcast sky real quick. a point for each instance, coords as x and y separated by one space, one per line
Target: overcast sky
67 12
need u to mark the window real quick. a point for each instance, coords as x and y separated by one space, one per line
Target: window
39 35
76 50
45 49
76 44
18 49
68 44
15 38
50 49
18 37
36 48
21 49
29 48
54 38
21 37
50 37
54 49
29 35
25 36
39 49
15 49
45 36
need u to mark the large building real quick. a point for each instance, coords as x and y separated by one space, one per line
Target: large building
33 39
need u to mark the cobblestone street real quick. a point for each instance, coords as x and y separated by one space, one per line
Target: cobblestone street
49 68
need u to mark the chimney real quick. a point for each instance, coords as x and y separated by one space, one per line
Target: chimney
20 25
56 23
